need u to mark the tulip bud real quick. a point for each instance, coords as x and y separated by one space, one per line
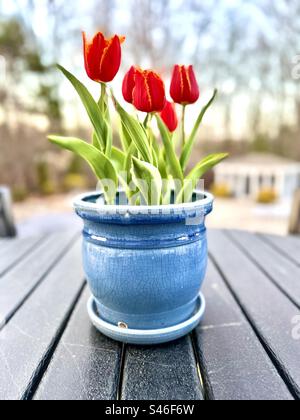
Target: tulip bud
169 116
184 87
102 57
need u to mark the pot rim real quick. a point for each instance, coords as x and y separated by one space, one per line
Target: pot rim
80 203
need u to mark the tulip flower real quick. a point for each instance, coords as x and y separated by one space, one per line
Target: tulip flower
184 90
149 92
169 116
184 87
102 57
145 90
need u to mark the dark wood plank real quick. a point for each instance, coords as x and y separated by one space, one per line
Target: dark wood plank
268 309
287 245
166 372
16 249
27 340
234 364
282 271
86 365
18 283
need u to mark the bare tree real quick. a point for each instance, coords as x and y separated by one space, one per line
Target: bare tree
103 15
150 33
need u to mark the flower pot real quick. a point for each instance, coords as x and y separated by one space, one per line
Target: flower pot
145 267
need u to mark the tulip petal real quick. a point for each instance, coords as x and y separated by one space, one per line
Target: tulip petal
129 84
92 55
157 92
176 89
111 59
142 99
194 87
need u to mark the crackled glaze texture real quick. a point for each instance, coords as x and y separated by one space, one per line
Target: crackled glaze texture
145 270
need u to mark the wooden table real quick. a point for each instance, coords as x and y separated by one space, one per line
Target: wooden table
247 347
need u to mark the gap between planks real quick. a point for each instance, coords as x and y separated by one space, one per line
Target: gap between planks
37 244
44 364
121 373
278 249
204 383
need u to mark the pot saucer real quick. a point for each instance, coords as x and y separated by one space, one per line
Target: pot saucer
146 337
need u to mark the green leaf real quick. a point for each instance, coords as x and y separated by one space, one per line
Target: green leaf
126 179
130 153
108 136
147 178
125 138
100 164
187 151
197 173
135 132
154 147
91 107
172 159
168 188
162 164
155 144
96 142
118 159
108 132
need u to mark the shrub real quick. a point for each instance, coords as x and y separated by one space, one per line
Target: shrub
73 182
221 191
19 194
267 196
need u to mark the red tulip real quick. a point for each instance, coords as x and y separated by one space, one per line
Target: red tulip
102 57
169 116
145 90
184 87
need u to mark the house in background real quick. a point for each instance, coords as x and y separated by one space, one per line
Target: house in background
248 175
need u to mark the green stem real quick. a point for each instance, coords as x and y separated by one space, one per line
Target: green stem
183 125
147 120
103 97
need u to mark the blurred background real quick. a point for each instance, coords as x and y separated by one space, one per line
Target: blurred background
249 50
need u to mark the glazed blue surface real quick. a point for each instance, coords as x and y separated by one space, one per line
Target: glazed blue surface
144 270
146 337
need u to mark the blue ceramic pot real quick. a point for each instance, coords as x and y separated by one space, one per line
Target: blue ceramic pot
145 265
